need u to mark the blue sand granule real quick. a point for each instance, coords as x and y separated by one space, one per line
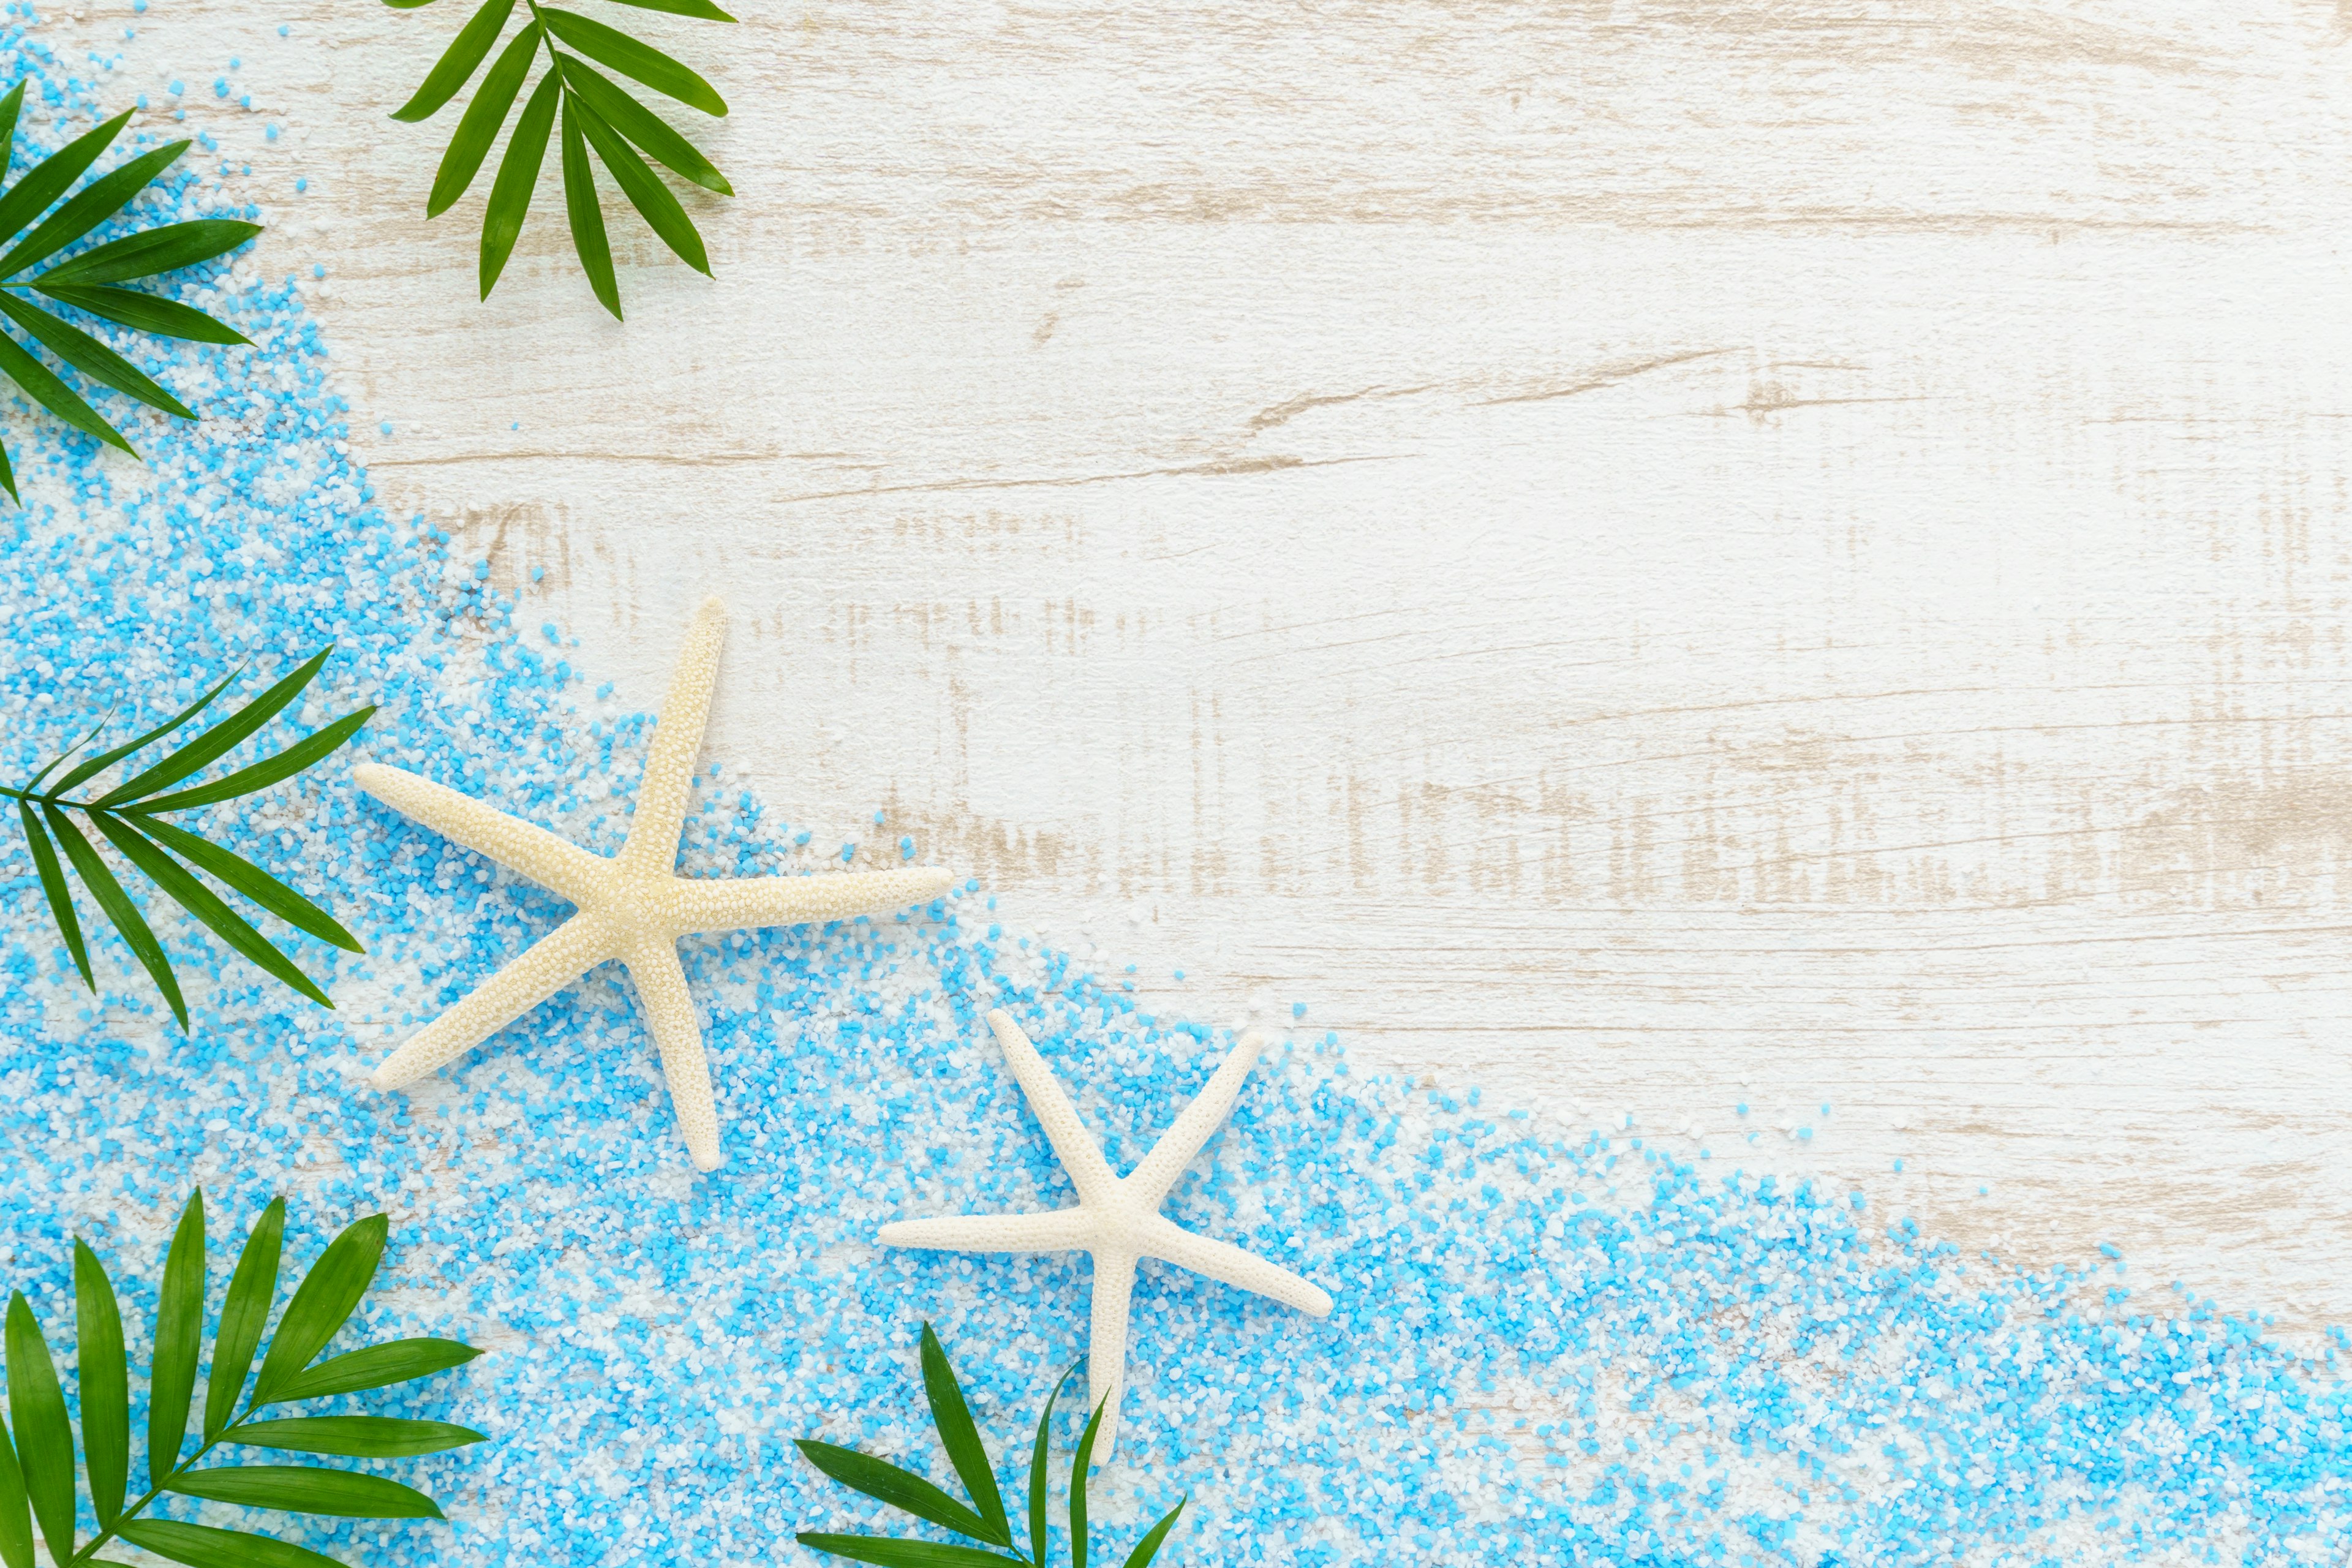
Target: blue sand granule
1546 1349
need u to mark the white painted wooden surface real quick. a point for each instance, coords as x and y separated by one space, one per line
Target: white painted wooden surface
1643 555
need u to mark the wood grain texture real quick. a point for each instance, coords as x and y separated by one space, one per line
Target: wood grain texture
1641 556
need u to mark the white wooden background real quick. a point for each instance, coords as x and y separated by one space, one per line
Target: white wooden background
1640 556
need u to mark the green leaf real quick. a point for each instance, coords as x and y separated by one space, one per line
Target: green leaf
218 741
16 1514
517 175
201 901
36 1408
48 179
90 357
153 250
890 1553
92 206
307 1488
179 1340
53 884
9 107
377 1366
580 202
37 1480
128 924
41 384
260 776
1149 1547
702 9
641 62
254 882
885 1482
9 476
357 1436
1038 1456
960 1439
245 1312
642 126
201 1546
1080 1470
480 126
644 190
144 312
458 62
407 5
105 1391
92 766
323 1303
128 816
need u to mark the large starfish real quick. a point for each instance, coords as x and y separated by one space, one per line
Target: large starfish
633 907
1118 1218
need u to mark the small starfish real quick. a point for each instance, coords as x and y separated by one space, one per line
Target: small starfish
1118 1218
633 906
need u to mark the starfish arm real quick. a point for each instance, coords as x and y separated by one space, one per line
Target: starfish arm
1081 1156
1197 1122
534 852
1223 1261
677 1033
556 959
1107 1345
1062 1231
660 813
749 902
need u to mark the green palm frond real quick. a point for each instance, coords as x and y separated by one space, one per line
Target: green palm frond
92 280
37 1446
596 117
129 816
983 1518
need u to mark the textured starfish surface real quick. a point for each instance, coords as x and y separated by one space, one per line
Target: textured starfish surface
1118 1219
633 906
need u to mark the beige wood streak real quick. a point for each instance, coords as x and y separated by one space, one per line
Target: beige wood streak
1640 556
